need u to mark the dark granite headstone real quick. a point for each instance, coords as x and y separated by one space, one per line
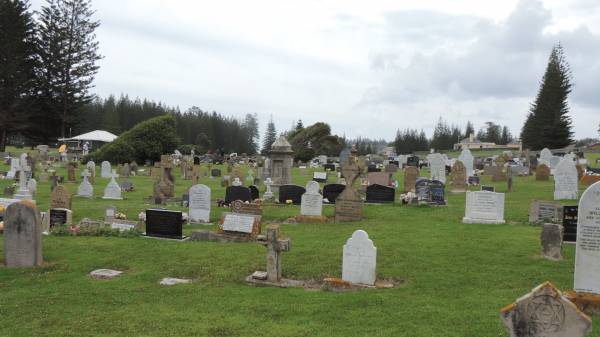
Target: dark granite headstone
164 224
330 167
196 160
291 192
380 194
570 223
422 190
488 188
185 200
127 186
233 193
474 181
593 170
332 191
373 168
58 217
394 162
254 192
412 161
215 173
438 192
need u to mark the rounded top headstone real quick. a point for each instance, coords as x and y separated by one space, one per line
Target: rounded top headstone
312 187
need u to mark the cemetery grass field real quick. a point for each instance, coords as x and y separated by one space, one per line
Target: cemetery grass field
455 277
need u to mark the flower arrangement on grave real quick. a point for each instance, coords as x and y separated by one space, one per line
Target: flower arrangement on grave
120 216
142 216
184 216
289 201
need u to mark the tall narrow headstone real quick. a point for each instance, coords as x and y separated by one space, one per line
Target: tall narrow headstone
360 259
565 180
199 204
467 159
22 235
459 177
587 252
411 173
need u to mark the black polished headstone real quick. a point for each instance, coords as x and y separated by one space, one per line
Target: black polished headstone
332 191
215 173
373 168
254 192
474 181
423 190
488 188
58 217
570 223
380 194
196 160
291 192
438 192
233 193
330 167
164 224
394 162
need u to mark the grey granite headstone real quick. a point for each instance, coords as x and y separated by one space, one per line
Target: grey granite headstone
552 239
22 235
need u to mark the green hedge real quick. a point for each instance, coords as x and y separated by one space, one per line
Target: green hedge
147 140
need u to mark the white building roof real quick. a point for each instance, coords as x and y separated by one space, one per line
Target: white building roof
96 136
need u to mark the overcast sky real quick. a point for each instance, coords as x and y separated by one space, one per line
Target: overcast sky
367 68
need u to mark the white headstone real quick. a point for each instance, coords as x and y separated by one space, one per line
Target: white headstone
112 190
106 170
359 260
23 192
268 194
85 189
236 182
14 167
91 166
236 222
32 186
312 200
467 158
587 251
565 180
437 166
199 204
484 207
545 156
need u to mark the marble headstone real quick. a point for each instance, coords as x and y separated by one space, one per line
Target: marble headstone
467 159
105 170
437 166
312 200
199 204
112 190
587 251
484 207
565 180
359 259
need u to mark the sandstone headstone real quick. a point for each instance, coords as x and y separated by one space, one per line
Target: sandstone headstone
349 205
411 173
199 204
587 252
22 235
484 207
542 172
552 239
379 178
312 200
459 177
545 312
359 259
565 180
60 198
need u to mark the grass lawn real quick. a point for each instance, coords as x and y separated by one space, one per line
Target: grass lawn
456 276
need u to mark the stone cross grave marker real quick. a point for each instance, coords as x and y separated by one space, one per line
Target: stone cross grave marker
545 312
275 246
22 235
112 191
23 192
349 205
268 195
359 260
85 188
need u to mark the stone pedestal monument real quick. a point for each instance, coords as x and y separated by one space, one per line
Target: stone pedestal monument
281 161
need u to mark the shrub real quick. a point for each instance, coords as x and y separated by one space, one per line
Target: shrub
147 140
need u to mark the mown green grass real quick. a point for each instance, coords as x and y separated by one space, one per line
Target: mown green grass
456 276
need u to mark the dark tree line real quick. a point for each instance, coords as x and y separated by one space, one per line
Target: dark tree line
48 65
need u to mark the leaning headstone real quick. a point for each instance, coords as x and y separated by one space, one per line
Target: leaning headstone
312 200
106 170
545 312
359 259
565 180
484 207
22 235
542 172
199 204
552 240
587 252
467 159
437 166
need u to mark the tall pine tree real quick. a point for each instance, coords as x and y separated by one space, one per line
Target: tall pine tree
69 52
548 123
17 67
270 137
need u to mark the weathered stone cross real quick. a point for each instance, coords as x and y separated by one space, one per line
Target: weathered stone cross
274 248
